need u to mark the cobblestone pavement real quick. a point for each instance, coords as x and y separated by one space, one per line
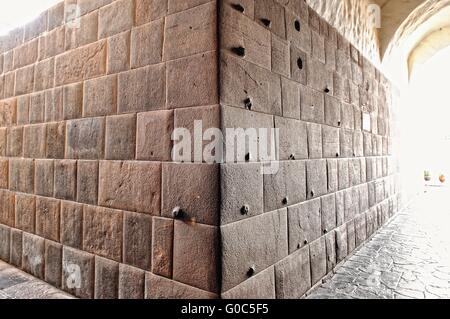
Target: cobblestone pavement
408 258
15 284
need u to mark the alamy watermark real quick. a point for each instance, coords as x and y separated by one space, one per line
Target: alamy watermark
374 15
231 145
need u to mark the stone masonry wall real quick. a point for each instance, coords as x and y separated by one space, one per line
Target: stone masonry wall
282 66
88 103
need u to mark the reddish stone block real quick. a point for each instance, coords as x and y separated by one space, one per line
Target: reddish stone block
142 89
85 33
298 65
147 44
4 170
54 105
44 75
120 137
87 6
23 105
149 10
55 139
71 224
51 43
199 200
85 138
106 279
16 248
44 177
25 54
33 255
290 92
192 81
274 12
78 273
132 186
3 141
7 208
197 25
153 137
56 16
195 255
119 52
87 182
81 64
21 175
65 179
137 240
72 101
162 246
24 81
37 107
157 287
182 5
34 137
25 218
48 218
131 282
14 141
115 18
102 232
8 112
5 243
100 96
280 56
53 263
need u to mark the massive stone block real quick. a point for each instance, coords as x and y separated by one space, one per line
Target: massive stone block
260 286
78 265
316 178
162 246
304 224
25 217
137 240
85 138
48 218
33 255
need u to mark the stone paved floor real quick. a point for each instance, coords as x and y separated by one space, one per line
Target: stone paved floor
15 284
408 258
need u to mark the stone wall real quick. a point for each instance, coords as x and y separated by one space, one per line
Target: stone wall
87 108
88 184
282 66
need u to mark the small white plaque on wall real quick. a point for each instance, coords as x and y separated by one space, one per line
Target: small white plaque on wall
366 122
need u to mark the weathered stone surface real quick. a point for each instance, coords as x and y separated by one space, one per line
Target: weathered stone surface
87 6
106 279
51 43
312 105
3 141
328 213
131 282
120 137
7 207
37 107
43 177
183 29
360 229
48 218
5 247
341 243
192 81
280 56
54 105
85 138
102 232
55 138
142 89
198 200
36 27
119 52
81 64
285 187
147 44
14 141
23 105
314 141
332 175
316 178
149 10
87 182
33 255
133 186
137 240
25 54
290 93
44 76
261 286
157 287
240 254
293 139
84 34
274 12
351 236
4 168
16 248
162 246
239 31
100 96
298 65
319 77
153 136
354 169
344 181
332 111
56 16
115 18
78 273
293 275
318 257
53 263
346 139
304 224
34 141
8 112
25 218
196 255
330 242
21 172
71 224
72 101
65 179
